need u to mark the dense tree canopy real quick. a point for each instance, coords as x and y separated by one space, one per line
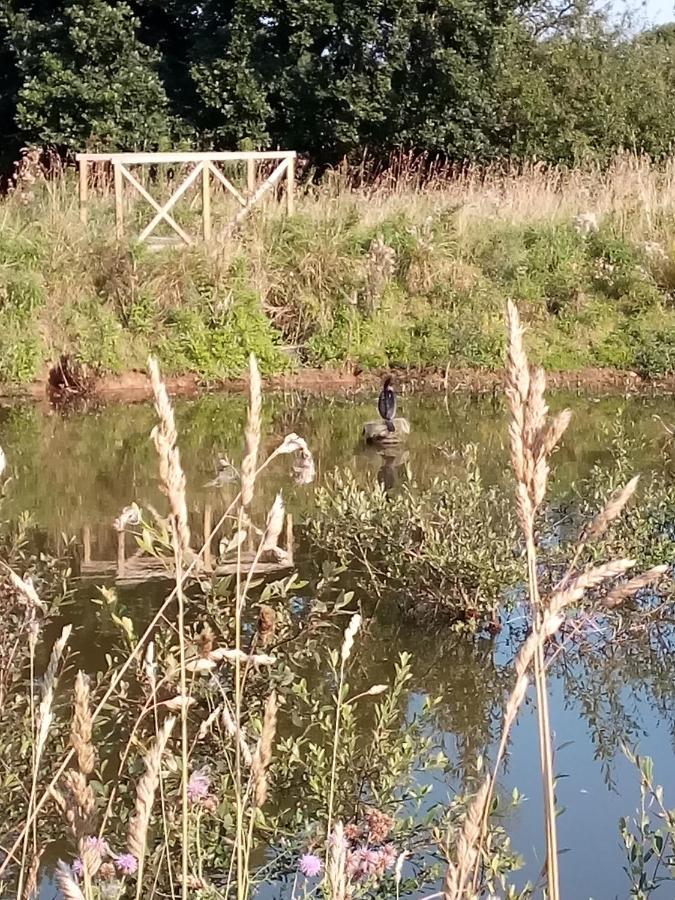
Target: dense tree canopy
466 79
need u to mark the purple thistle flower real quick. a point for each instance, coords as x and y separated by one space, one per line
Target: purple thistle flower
364 862
98 844
389 856
77 867
310 865
198 786
126 863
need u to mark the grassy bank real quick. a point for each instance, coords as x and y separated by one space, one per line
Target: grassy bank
398 274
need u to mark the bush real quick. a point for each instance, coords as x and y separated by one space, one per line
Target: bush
447 550
217 344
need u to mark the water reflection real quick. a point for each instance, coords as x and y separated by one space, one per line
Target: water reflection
392 460
83 468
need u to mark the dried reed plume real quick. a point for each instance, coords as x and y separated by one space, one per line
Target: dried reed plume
263 752
208 723
80 734
67 884
612 510
145 795
347 645
173 478
252 433
632 586
467 844
31 889
236 733
336 868
350 634
170 470
80 801
48 687
26 589
531 437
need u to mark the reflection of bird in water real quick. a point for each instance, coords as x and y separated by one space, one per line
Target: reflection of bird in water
386 474
386 403
226 474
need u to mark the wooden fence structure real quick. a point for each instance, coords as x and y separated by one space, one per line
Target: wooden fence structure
204 165
138 567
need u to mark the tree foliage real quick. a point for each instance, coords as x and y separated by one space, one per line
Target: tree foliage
85 80
465 79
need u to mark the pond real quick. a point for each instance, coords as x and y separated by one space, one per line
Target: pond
74 472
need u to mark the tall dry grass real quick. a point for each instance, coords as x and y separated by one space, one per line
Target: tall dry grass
637 193
632 188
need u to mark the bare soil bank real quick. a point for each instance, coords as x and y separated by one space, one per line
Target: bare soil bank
134 386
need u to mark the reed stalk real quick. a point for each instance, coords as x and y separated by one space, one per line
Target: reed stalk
347 645
530 438
336 864
248 477
173 478
44 720
259 771
32 643
145 797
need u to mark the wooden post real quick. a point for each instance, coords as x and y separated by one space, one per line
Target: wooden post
84 188
86 543
206 203
250 175
119 201
208 524
120 554
290 186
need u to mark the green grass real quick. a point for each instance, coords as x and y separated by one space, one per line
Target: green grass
433 297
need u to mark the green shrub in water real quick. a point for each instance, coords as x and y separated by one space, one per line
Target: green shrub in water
447 550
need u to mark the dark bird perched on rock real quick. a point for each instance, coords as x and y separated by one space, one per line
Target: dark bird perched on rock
386 403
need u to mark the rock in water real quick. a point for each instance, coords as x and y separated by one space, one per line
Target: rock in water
377 432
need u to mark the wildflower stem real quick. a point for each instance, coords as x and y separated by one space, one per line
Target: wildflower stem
237 718
333 768
34 770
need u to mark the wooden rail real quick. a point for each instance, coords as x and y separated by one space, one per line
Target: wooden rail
138 568
204 165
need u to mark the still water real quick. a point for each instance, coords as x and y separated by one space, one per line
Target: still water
77 471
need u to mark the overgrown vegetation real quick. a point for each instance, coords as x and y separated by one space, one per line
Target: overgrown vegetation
422 549
197 759
401 275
